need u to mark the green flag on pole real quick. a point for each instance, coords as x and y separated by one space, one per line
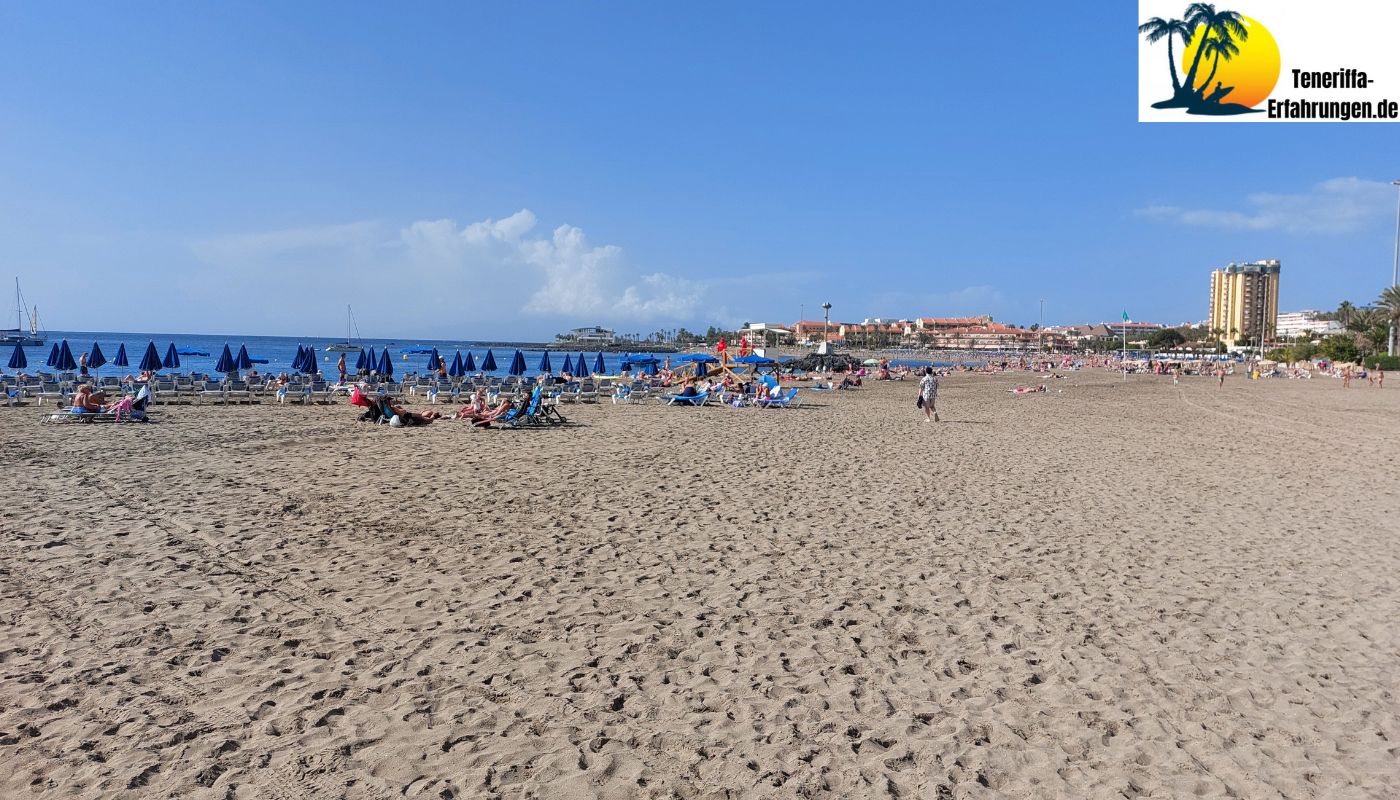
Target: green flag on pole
1125 317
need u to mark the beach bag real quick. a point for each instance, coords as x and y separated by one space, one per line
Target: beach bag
920 402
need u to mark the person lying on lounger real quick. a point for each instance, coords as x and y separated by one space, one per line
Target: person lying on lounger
485 419
474 409
86 401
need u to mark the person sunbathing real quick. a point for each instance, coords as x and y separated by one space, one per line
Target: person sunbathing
86 401
474 409
485 419
391 409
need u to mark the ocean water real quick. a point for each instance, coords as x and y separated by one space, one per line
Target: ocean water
280 350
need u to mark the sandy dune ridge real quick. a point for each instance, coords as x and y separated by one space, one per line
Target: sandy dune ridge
1111 590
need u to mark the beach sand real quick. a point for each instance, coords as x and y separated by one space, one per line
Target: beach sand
1110 590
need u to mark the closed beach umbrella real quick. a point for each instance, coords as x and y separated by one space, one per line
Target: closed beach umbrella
172 358
65 358
120 359
225 361
308 362
455 369
488 364
434 361
361 363
581 364
568 364
517 363
469 364
298 358
150 361
544 363
95 357
386 365
242 361
598 367
17 359
53 355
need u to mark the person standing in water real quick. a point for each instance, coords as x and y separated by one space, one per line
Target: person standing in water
928 394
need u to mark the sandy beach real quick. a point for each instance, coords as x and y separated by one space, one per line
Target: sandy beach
1109 590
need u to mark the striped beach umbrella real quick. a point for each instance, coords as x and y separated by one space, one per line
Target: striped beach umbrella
488 364
544 363
119 360
225 363
172 358
150 361
17 359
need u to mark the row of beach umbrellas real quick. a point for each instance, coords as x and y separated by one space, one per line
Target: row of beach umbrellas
459 366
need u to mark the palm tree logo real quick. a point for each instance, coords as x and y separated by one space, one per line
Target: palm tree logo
1209 38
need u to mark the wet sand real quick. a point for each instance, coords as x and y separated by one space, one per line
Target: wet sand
1113 590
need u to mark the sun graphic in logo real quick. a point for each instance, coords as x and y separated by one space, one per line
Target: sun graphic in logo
1229 62
1249 64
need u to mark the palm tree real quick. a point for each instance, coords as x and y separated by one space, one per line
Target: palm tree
1344 310
1210 21
1219 47
1390 301
1157 29
1234 335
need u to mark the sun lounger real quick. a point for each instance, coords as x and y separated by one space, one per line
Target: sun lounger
682 400
135 411
211 391
782 400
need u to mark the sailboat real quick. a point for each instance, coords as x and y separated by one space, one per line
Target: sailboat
17 335
347 346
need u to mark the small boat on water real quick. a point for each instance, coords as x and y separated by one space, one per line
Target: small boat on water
17 334
347 346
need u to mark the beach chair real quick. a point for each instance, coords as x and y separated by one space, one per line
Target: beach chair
781 400
681 400
51 391
587 392
237 392
319 393
123 411
213 391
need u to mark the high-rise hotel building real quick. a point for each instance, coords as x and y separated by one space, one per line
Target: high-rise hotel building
1244 297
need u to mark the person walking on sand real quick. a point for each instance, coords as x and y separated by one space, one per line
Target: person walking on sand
928 394
1220 374
340 365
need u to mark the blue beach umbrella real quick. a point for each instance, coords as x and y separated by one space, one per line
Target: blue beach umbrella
488 364
172 358
298 358
598 367
581 364
434 361
308 362
226 363
455 369
386 364
65 358
469 364
242 361
568 364
544 363
150 361
53 355
361 363
17 359
517 363
95 357
120 359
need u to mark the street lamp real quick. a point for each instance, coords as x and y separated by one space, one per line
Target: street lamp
1395 271
826 327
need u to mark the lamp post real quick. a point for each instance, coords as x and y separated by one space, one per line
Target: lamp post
826 327
1395 270
1040 327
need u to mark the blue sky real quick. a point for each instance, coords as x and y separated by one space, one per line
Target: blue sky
472 170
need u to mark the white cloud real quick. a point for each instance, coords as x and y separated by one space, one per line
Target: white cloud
489 273
1339 205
